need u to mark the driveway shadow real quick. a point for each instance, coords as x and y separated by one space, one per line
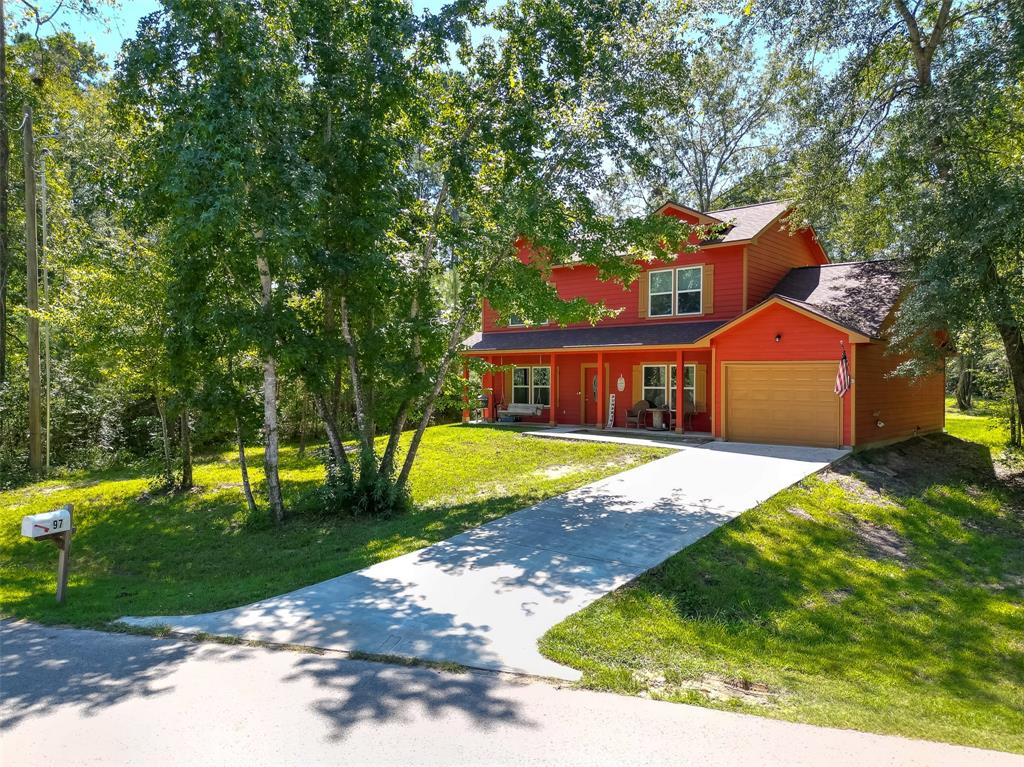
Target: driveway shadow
45 669
363 611
41 669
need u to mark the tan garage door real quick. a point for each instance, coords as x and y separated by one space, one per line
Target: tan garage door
786 403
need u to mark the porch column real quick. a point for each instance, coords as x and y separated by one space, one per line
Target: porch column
680 400
465 392
489 391
600 390
553 393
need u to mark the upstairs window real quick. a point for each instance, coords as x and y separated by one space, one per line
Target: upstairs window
689 289
660 293
676 292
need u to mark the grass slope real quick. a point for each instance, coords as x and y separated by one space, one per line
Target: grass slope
886 595
137 554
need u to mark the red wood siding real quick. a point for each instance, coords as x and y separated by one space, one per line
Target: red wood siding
803 339
907 406
582 282
773 255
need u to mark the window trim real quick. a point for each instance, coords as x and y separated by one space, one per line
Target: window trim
530 385
693 389
674 312
699 290
671 292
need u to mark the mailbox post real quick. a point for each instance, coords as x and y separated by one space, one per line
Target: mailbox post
56 527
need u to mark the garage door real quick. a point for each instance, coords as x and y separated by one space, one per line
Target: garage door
788 404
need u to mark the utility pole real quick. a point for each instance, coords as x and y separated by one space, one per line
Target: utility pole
46 299
5 157
35 457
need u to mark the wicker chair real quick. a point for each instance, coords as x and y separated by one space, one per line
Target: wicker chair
637 414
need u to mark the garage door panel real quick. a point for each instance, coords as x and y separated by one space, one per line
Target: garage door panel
782 403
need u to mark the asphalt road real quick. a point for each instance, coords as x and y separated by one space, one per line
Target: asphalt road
74 697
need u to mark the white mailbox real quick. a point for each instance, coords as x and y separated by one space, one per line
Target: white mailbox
55 527
50 523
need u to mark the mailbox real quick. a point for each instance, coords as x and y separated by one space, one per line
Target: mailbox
55 527
43 525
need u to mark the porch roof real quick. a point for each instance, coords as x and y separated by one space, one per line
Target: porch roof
571 339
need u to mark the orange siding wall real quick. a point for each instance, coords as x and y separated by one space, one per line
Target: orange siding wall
907 406
773 255
582 281
803 339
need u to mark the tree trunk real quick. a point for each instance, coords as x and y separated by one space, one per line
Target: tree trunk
35 443
965 382
1013 343
244 467
165 437
186 452
428 410
5 161
1015 424
302 426
331 427
363 419
270 428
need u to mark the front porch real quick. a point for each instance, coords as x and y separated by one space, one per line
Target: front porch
600 390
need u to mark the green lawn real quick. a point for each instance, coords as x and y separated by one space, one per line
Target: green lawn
137 554
886 595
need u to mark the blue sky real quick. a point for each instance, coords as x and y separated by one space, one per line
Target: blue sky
120 25
122 22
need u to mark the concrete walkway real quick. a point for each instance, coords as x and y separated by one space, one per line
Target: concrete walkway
484 598
83 697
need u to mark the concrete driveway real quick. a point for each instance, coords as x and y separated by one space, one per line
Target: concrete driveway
484 598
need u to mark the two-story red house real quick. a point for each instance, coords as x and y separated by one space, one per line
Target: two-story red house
746 332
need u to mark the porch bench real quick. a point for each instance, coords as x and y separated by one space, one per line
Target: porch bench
517 409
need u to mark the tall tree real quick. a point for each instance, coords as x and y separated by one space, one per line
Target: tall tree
907 152
5 162
430 166
717 123
216 85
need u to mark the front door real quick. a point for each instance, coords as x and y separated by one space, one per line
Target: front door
590 395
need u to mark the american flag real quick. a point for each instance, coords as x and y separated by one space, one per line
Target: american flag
843 376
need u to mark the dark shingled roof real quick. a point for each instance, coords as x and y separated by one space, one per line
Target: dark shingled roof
652 334
747 221
858 295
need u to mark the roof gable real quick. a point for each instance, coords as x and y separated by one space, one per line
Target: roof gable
748 221
857 294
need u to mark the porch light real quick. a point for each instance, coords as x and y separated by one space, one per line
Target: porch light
778 337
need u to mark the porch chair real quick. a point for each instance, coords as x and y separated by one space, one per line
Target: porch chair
637 414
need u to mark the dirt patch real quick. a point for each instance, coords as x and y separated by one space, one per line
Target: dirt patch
860 483
1011 582
731 690
796 511
53 489
554 472
881 542
836 596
